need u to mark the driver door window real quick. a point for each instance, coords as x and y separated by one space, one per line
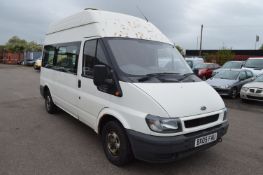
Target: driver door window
242 76
93 54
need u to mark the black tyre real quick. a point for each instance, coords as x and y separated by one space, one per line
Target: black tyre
234 93
204 78
116 144
49 104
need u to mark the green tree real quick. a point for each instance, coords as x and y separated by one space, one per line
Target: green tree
180 49
15 44
261 47
33 47
220 57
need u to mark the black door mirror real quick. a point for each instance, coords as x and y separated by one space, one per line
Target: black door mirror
100 73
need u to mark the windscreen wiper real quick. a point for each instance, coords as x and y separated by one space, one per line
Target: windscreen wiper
186 76
155 75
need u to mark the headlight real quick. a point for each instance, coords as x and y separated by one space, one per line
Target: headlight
163 125
225 115
245 89
225 87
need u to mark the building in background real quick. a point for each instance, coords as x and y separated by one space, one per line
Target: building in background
238 54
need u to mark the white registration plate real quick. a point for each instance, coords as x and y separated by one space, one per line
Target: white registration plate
205 139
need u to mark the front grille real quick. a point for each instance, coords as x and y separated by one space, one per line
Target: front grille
259 91
252 90
201 121
255 98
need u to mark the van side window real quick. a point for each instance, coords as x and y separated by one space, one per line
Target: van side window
67 57
49 56
62 57
93 54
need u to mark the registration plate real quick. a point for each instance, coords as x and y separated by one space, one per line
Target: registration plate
205 139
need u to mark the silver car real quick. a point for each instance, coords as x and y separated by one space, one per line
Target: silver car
253 90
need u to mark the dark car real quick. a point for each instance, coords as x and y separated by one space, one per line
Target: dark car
229 82
205 70
230 65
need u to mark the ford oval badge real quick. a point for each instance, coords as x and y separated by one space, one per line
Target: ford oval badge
203 108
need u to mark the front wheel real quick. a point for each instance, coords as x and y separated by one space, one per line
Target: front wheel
116 144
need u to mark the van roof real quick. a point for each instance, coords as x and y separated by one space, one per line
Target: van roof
99 23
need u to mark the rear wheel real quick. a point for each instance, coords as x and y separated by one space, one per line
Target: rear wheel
116 144
49 104
204 78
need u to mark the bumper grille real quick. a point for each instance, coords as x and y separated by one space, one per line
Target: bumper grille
201 121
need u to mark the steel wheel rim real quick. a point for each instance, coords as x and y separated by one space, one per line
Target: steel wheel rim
113 143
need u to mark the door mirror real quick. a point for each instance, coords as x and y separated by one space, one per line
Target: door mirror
100 73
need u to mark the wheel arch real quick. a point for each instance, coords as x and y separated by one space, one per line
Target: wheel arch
107 115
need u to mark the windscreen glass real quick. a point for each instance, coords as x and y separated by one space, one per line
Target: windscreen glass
230 75
142 57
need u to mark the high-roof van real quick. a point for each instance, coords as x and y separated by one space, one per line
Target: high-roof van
122 77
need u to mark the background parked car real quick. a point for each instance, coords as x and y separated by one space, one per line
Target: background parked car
230 65
38 63
229 82
253 90
205 70
31 57
255 65
193 61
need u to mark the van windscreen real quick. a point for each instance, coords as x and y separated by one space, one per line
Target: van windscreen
142 57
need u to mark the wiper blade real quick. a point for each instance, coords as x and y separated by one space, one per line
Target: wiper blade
186 76
155 75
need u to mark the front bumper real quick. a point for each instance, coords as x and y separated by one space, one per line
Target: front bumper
223 92
251 96
166 149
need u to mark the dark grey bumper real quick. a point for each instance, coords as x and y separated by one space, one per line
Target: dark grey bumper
166 149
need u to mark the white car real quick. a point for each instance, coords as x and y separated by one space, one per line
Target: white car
253 90
123 78
194 61
255 65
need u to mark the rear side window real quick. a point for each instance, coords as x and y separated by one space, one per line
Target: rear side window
62 57
49 56
93 54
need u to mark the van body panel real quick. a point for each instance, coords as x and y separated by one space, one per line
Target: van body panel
92 23
184 99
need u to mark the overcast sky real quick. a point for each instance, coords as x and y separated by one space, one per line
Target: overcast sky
229 23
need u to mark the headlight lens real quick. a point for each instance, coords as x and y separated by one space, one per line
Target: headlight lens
245 89
163 125
225 115
225 87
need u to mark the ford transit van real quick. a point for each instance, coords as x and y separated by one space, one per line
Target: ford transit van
122 77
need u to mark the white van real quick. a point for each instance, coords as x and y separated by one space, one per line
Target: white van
255 65
122 77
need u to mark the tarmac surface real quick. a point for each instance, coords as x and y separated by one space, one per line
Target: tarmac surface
32 142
